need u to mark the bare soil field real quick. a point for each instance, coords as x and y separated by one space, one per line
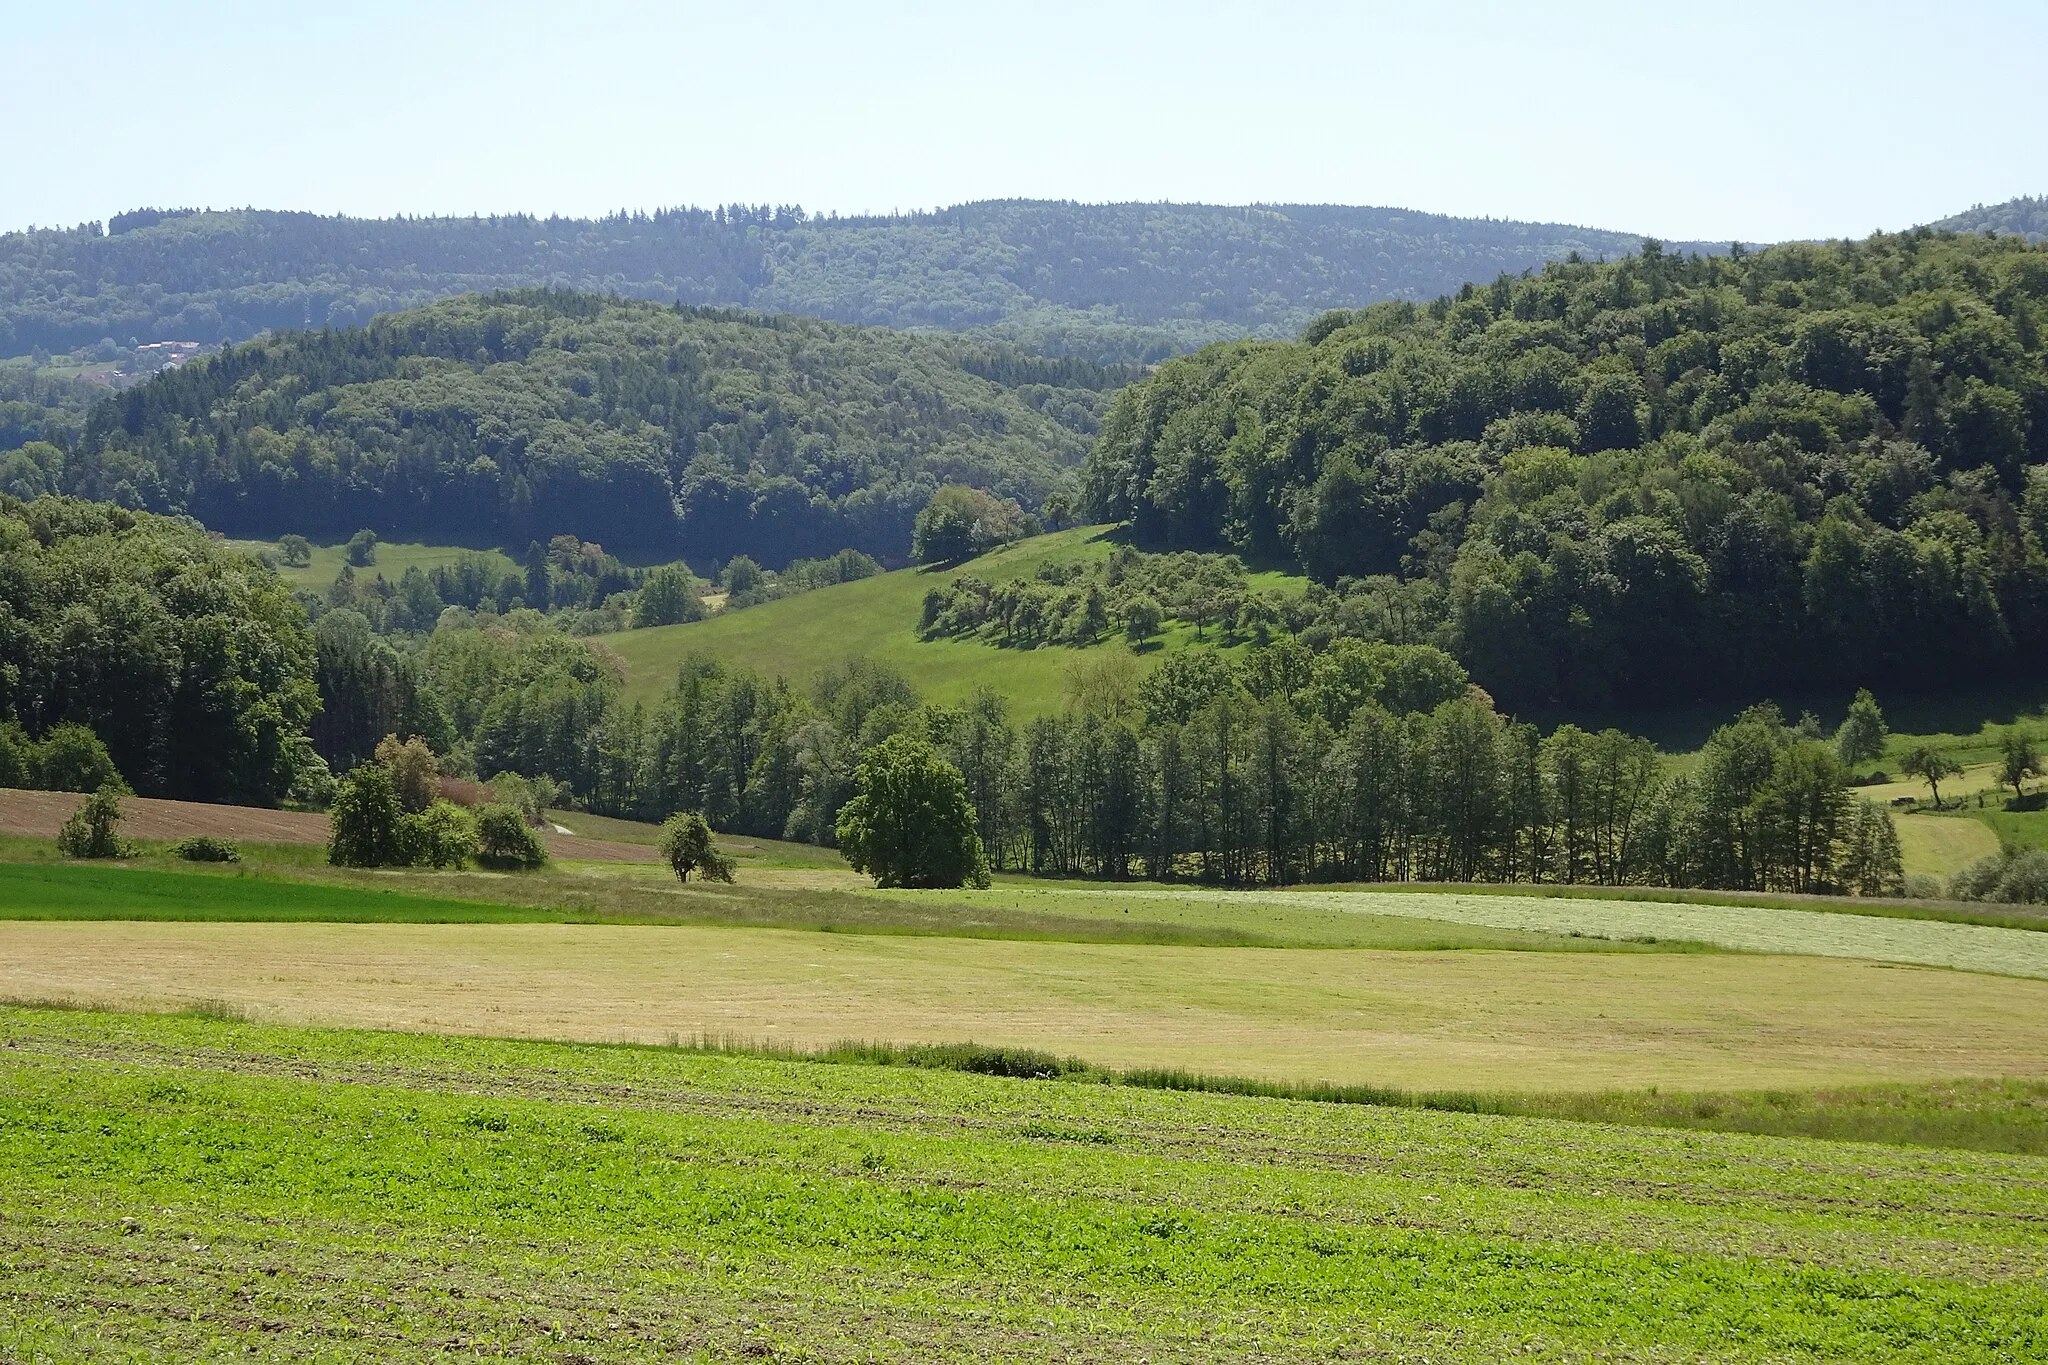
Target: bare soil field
1427 1020
41 814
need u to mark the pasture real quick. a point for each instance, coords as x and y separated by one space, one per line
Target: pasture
393 559
877 618
194 1188
1421 1019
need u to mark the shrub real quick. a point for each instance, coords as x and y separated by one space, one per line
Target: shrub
442 835
362 548
686 844
363 821
505 841
91 832
2013 878
205 848
71 758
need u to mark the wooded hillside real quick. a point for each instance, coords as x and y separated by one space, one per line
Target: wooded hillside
1670 476
1112 281
664 431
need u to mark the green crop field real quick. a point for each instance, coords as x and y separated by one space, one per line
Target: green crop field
877 618
392 561
201 1189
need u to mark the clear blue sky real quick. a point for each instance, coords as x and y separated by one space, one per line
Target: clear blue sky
1705 121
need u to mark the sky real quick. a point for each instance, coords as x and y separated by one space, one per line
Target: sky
1703 122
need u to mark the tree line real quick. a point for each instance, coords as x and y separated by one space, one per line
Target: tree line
1665 477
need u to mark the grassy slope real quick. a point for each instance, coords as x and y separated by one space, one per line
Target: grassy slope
877 617
186 1188
392 561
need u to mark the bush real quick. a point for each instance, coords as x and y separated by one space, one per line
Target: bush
205 848
686 844
504 839
362 548
2012 878
72 759
91 832
363 821
442 835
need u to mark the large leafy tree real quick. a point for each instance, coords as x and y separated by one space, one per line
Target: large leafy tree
910 822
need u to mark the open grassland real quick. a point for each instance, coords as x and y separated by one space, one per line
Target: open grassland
189 1188
877 618
1941 846
2020 829
1745 928
1414 1019
392 561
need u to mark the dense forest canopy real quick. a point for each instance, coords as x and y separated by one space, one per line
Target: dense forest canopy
192 663
1111 281
2027 216
660 431
1671 476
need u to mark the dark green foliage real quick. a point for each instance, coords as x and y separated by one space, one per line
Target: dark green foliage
189 663
364 821
362 548
69 759
295 551
961 522
1123 281
686 846
205 848
524 418
1669 477
92 831
909 822
505 840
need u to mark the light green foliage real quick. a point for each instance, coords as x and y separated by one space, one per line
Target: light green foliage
909 822
936 1214
188 661
960 523
1932 766
1861 737
415 772
93 831
442 834
686 847
2018 759
505 840
668 597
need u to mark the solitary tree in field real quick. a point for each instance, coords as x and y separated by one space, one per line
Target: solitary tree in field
363 819
2018 760
1861 738
686 844
1932 766
910 822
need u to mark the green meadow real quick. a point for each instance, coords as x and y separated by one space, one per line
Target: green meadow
393 559
198 1188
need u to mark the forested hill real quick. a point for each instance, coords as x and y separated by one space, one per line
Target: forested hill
1666 477
1119 281
2027 216
662 431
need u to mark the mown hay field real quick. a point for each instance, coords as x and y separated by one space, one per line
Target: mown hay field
185 1188
1468 1019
